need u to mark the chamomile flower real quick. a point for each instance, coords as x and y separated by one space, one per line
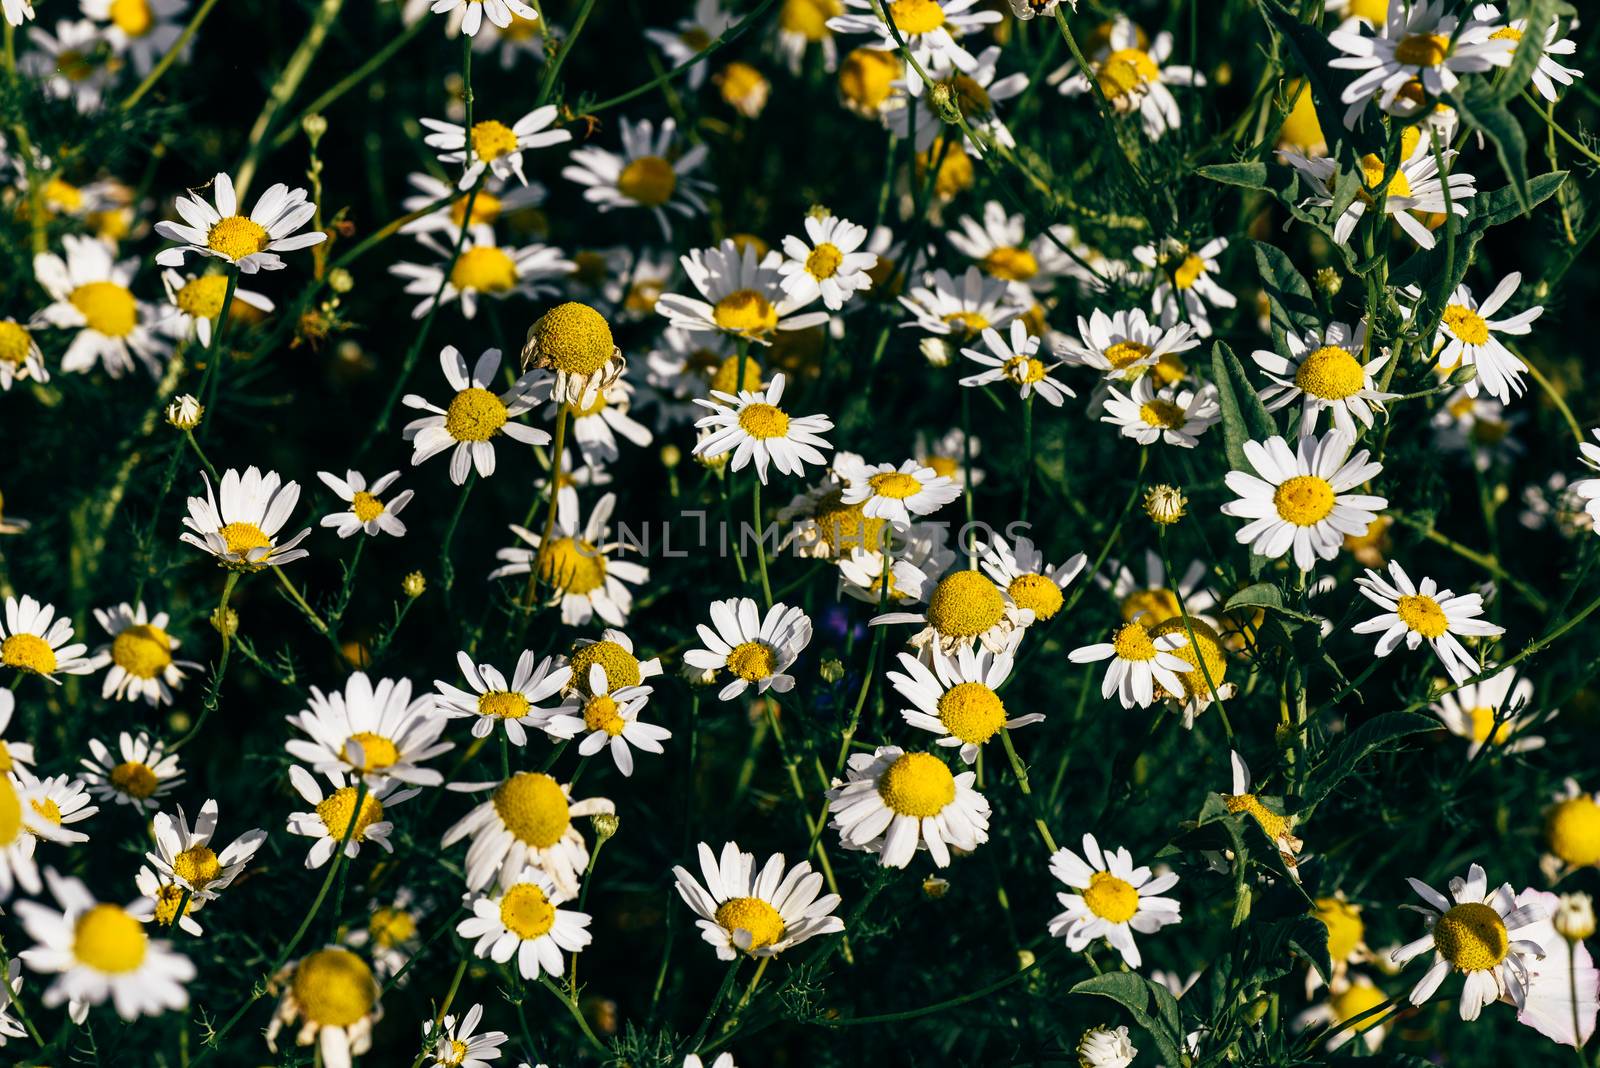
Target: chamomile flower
596 426
10 989
100 952
89 293
651 173
1016 362
1468 338
1586 492
139 657
1140 662
491 145
145 773
1299 501
375 730
171 906
744 295
390 935
183 854
1134 77
526 822
522 921
498 12
18 11
197 300
368 512
482 269
965 607
1571 831
894 803
1493 712
456 1045
960 309
614 652
242 530
1324 372
1549 70
1187 288
896 494
142 30
1276 826
692 35
929 28
1474 931
1000 247
34 641
251 242
475 417
1414 188
522 37
1358 996
13 755
1478 427
957 698
334 818
59 801
1173 415
493 201
1033 584
610 716
580 568
71 63
514 704
827 262
975 91
1126 346
20 356
803 23
950 454
910 569
756 650
333 994
25 818
1417 611
752 426
1113 899
758 913
1418 54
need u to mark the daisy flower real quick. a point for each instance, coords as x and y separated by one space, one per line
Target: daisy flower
476 415
596 426
692 35
650 173
756 650
391 935
758 913
1153 599
1324 372
1560 1002
99 952
368 513
29 801
1571 831
929 28
251 242
803 23
145 773
89 293
482 269
1550 70
1422 610
911 568
1127 345
1415 187
999 244
1188 287
1016 363
1020 567
33 640
744 295
71 64
493 201
614 652
522 921
1587 491
960 309
580 567
1176 416
329 821
498 12
375 730
957 699
17 11
183 854
826 262
1134 76
333 994
143 30
1417 54
975 92
198 299
573 342
242 532
950 455
1140 662
894 803
885 491
526 822
12 754
752 425
1113 899
1494 712
522 38
515 705
1355 998
1276 826
965 607
1473 932
140 655
495 147
60 799
1467 338
610 715
455 1045
1300 500
20 356
10 1026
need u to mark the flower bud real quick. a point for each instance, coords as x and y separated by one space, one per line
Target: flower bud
186 412
605 825
341 280
413 585
1164 504
1103 1047
1574 918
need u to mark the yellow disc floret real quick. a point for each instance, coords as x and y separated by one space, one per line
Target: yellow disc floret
752 661
1572 828
484 268
28 652
917 785
1209 647
337 808
1274 825
1346 929
1038 593
134 779
1330 373
1304 500
527 912
620 666
747 312
534 808
1132 642
365 506
503 704
757 919
971 712
600 713
492 140
649 180
142 650
1354 1000
1126 72
965 604
1466 324
916 16
108 940
1422 50
10 812
197 866
1422 614
572 337
240 538
107 308
763 421
16 344
333 987
237 237
1110 898
377 752
823 261
475 414
574 566
1472 937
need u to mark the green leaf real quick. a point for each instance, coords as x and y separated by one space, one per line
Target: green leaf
1309 936
1244 175
1358 745
1539 14
1494 208
1133 993
1481 111
1244 418
1289 297
1313 53
1261 595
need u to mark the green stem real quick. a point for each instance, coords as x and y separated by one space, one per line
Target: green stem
214 695
1020 770
351 80
554 67
284 88
171 55
761 542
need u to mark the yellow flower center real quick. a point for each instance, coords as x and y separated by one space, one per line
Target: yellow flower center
1127 71
237 237
391 927
1345 927
1422 614
533 807
1506 33
1372 168
620 666
492 140
895 485
1189 271
1132 642
573 338
108 940
1330 373
1126 353
824 261
1304 500
844 526
1483 725
972 712
63 195
334 987
365 506
764 421
484 268
600 714
197 866
744 311
973 99
1037 592
916 16
1024 369
15 343
965 604
526 912
5 758
240 538
649 180
336 811
475 414
142 650
1110 898
954 176
132 17
1466 324
457 1054
574 566
377 752
485 209
728 376
1163 414
47 809
752 661
10 812
1422 50
943 466
168 901
503 704
867 77
917 785
107 308
1354 1000
1374 11
971 324
1573 831
1011 264
1472 937
28 652
696 37
203 297
808 18
1273 824
1209 653
134 779
1301 128
753 916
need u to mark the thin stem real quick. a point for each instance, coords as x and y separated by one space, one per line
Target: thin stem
171 55
560 57
214 695
556 450
761 543
1020 770
351 80
576 1013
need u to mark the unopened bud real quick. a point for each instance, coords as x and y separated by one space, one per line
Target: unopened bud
1329 282
1165 504
226 621
605 825
315 126
1574 918
186 412
341 280
832 669
671 456
413 585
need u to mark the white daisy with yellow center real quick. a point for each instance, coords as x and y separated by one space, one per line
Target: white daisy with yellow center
827 262
1549 72
1324 372
613 651
241 527
1113 899
369 513
139 658
1299 501
573 341
741 293
1587 490
390 935
13 755
34 641
965 607
27 814
803 23
752 426
58 801
1126 346
1571 831
1174 415
919 554
580 568
483 268
1141 661
333 993
1187 287
930 28
493 700
458 1044
1020 567
184 864
521 38
959 310
526 823
692 35
445 206
1473 932
951 455
652 172
894 494
70 64
99 952
608 718
1134 76
894 803
475 416
21 359
1416 57
251 242
372 729
1497 712
91 293
1414 612
196 301
596 426
1358 996
756 650
142 30
999 246
1015 362
474 12
143 775
1468 337
1278 827
491 145
171 905
958 699
976 93
757 913
521 919
334 817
